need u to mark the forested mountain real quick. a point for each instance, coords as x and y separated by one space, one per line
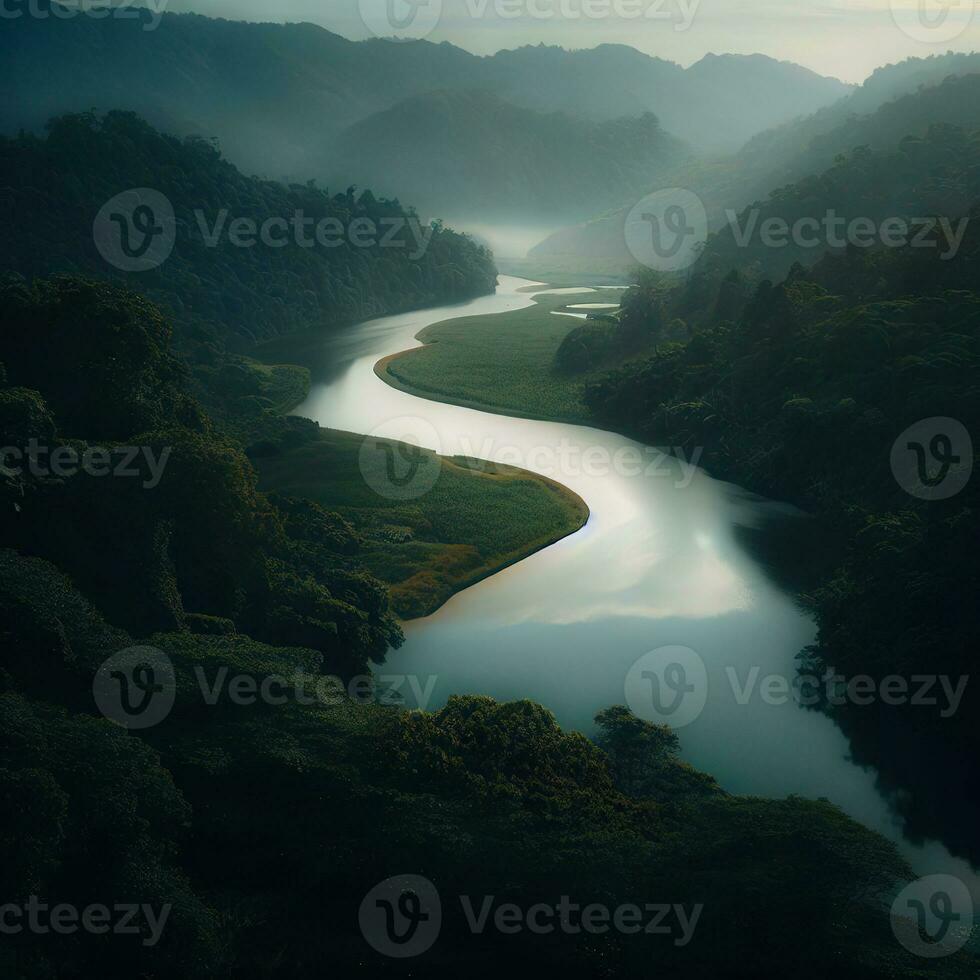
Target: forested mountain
800 389
714 105
221 290
261 825
466 153
324 792
886 109
277 95
917 182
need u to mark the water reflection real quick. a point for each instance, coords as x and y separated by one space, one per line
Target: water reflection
659 563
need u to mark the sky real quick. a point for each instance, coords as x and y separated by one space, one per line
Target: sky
847 39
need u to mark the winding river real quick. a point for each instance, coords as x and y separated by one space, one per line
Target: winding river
659 563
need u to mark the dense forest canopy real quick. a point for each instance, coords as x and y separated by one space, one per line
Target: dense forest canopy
799 389
251 830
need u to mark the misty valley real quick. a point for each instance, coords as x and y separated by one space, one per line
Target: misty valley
487 488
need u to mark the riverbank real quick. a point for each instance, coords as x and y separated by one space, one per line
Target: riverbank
430 548
501 363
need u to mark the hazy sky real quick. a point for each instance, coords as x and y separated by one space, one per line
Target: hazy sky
846 38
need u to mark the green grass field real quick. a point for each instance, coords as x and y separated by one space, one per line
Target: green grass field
502 362
477 518
285 385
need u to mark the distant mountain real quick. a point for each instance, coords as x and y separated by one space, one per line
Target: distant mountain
715 105
917 181
895 101
460 153
874 116
276 96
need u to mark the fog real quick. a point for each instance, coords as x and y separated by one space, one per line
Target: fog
847 39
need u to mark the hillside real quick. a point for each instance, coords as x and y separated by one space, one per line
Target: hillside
914 185
714 105
222 291
277 95
804 390
472 153
888 107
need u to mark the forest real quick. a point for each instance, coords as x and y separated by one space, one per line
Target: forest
308 646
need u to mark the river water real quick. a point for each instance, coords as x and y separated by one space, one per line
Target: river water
659 564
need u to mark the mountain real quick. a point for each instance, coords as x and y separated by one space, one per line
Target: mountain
276 96
919 180
222 291
797 150
465 153
714 105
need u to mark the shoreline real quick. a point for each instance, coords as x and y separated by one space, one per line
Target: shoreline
567 495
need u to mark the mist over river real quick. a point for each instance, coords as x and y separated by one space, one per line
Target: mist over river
659 563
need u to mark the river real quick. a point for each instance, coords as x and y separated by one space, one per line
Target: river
659 563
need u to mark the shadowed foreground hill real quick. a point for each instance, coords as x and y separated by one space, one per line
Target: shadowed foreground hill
260 824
